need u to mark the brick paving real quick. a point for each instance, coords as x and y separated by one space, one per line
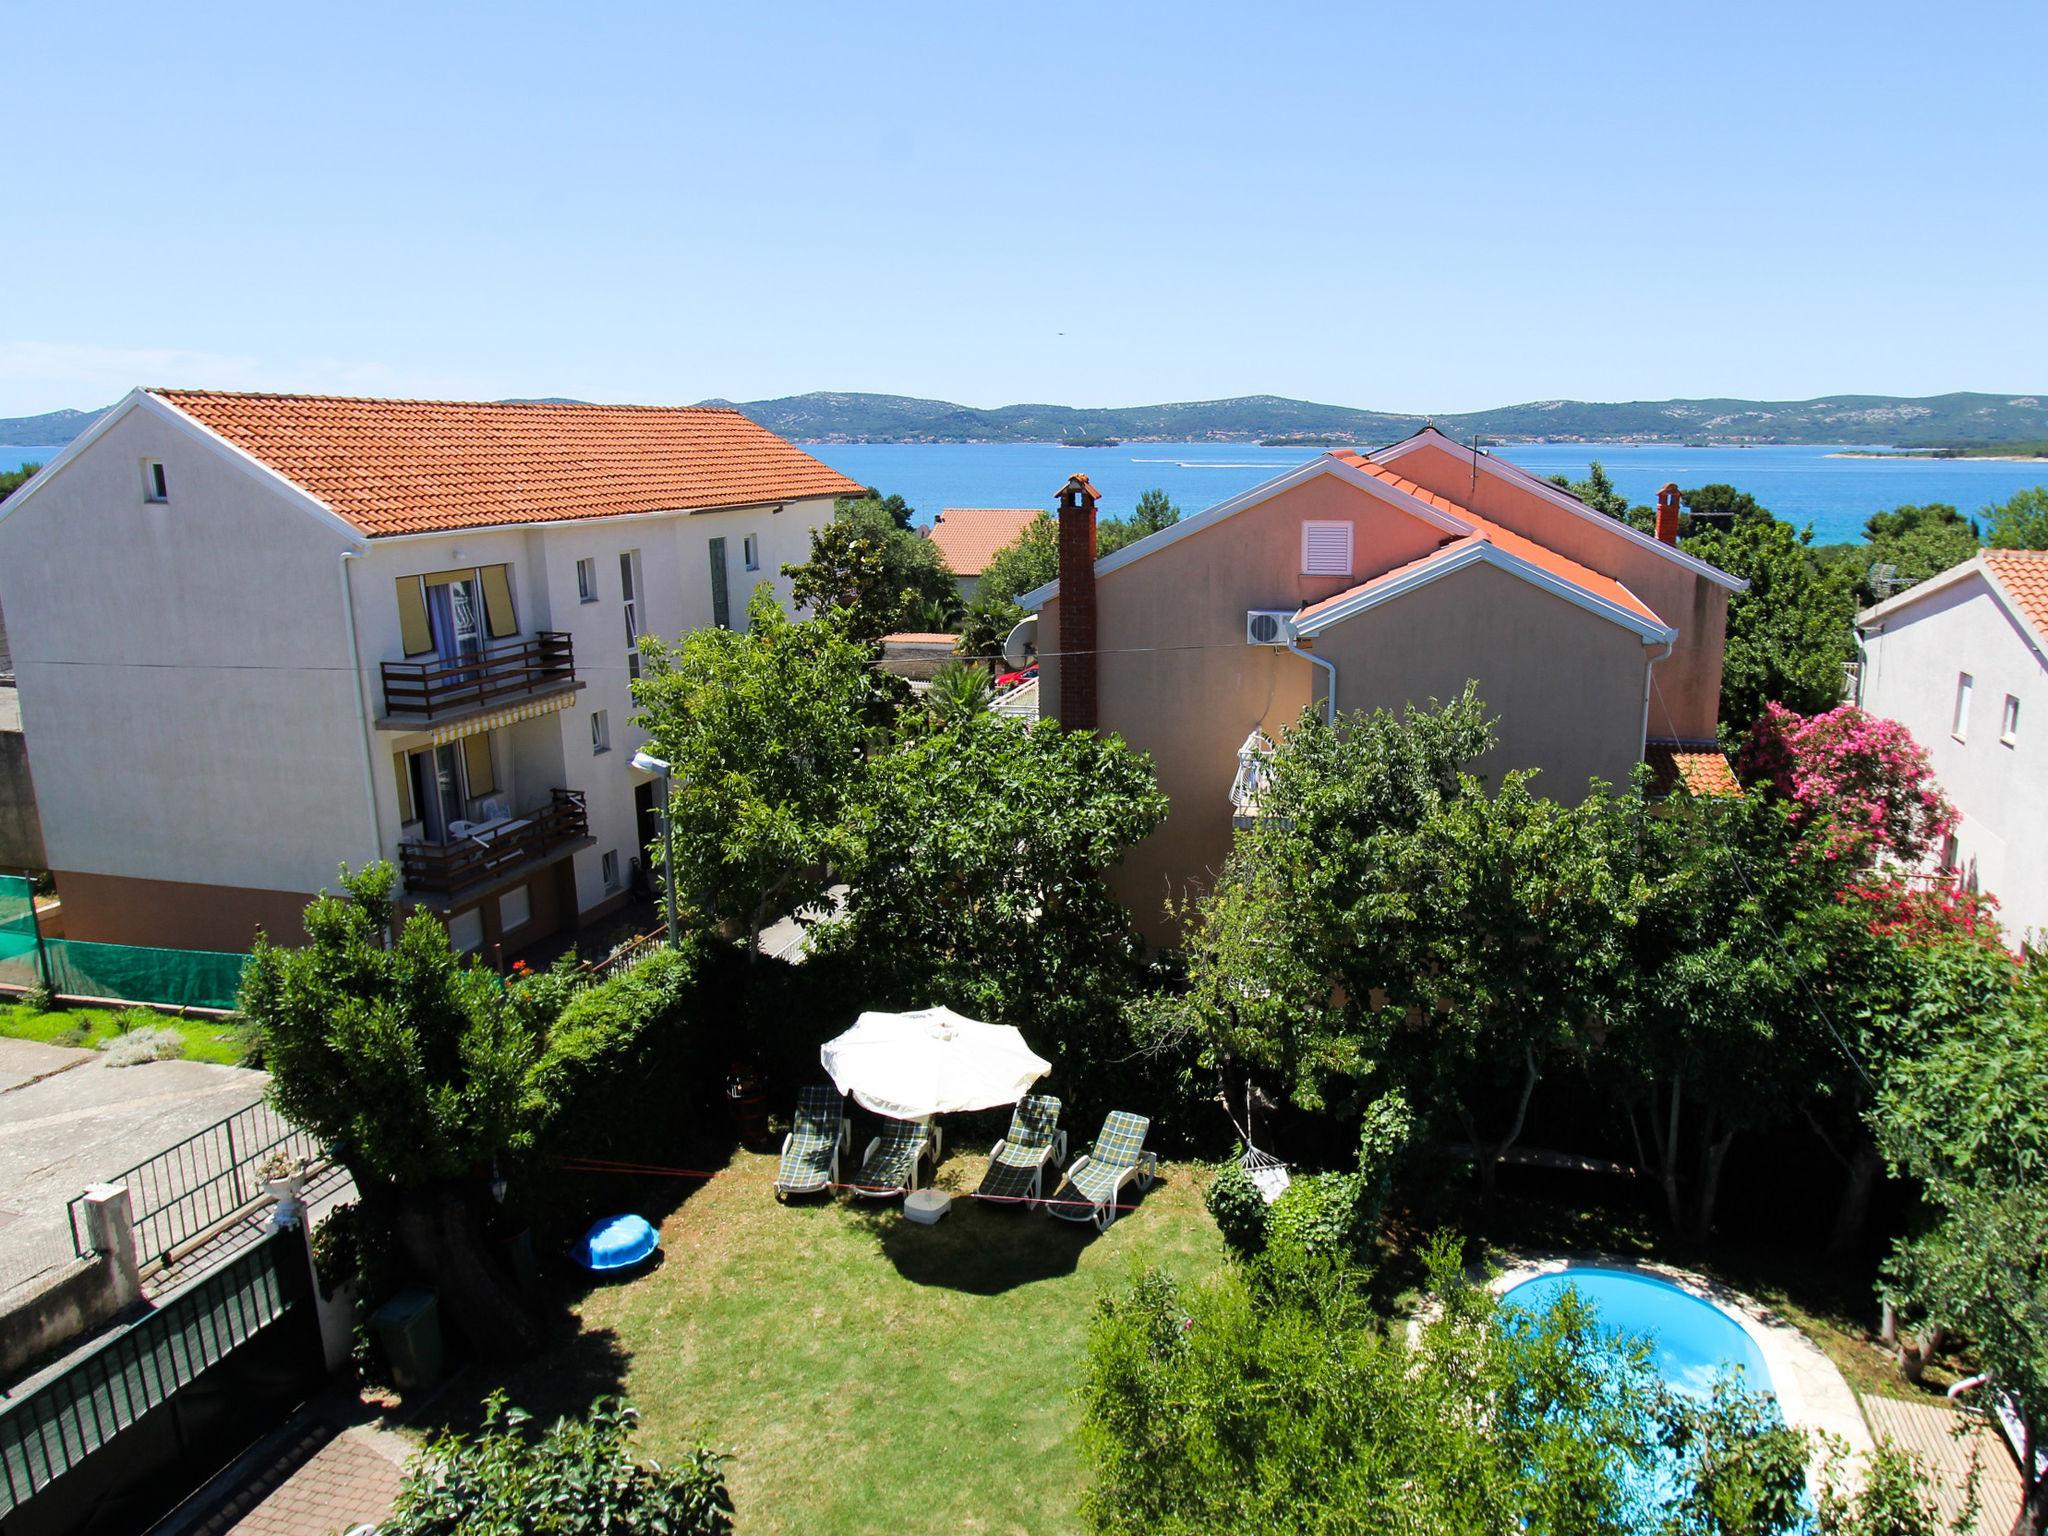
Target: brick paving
337 1468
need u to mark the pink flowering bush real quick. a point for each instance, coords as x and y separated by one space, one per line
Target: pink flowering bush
1919 913
1861 781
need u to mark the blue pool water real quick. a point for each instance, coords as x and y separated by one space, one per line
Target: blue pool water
1692 1341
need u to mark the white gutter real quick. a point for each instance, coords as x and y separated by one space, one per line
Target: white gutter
355 666
1330 703
1650 677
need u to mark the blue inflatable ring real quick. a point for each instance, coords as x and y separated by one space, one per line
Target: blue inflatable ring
616 1242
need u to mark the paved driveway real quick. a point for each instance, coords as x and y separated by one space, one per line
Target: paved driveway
67 1120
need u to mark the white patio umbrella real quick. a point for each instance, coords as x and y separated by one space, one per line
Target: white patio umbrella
931 1062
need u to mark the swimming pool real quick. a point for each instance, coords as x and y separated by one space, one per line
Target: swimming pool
1692 1341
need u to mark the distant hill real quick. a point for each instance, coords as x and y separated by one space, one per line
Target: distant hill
1937 421
1959 421
53 429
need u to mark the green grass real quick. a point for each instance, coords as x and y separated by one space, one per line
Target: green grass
210 1040
866 1374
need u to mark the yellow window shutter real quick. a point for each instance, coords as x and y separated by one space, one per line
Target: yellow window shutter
498 618
413 632
404 768
476 757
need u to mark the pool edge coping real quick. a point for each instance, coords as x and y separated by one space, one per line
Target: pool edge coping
1812 1393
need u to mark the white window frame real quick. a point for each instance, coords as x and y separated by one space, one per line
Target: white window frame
608 868
600 733
156 485
1309 530
750 552
1966 688
586 579
2009 720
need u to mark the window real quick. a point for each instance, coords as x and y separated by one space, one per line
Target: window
451 614
721 603
600 732
586 580
154 486
2009 721
750 552
466 931
629 585
515 909
1960 726
1326 549
608 866
1951 854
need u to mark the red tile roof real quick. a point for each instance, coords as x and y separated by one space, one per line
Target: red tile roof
968 537
1486 531
2024 575
1700 766
422 466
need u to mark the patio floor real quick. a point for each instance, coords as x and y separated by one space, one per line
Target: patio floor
1929 1431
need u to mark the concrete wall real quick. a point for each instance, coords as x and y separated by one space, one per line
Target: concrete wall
184 676
1909 675
21 826
1687 701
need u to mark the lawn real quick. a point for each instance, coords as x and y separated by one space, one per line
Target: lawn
865 1374
211 1040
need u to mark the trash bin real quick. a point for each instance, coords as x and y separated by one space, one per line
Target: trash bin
408 1329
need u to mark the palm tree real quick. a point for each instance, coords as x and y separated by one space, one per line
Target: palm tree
958 689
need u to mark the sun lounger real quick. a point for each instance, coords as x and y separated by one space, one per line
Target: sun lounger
810 1152
895 1160
1017 1163
1096 1179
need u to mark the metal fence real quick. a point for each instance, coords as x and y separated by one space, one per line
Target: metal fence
622 959
61 1421
189 1188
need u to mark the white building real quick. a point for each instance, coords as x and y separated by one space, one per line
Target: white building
260 636
1962 662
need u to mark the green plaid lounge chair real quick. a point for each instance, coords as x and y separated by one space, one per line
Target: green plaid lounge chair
1097 1178
1016 1164
810 1152
895 1160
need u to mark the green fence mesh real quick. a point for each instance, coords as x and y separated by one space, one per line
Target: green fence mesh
134 973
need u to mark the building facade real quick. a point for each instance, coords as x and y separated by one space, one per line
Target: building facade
1359 582
258 637
1961 660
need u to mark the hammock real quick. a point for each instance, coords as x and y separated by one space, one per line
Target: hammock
1268 1173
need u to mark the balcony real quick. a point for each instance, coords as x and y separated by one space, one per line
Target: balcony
496 853
436 691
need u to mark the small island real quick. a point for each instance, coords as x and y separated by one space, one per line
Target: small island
1091 442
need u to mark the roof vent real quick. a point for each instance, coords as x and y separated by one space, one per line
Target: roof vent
1268 626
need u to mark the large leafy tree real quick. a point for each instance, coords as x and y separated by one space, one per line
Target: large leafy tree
2021 522
1792 631
416 1066
980 878
1916 542
1597 491
1968 1120
872 574
14 479
766 731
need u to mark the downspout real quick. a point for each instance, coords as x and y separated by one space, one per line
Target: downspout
1649 677
1330 701
355 667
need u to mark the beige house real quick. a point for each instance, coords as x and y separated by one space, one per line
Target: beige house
258 636
1358 581
967 538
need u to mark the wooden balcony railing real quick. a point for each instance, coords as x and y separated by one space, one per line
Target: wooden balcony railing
448 869
430 690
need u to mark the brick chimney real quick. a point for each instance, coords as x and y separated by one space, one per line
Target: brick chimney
1667 514
1077 604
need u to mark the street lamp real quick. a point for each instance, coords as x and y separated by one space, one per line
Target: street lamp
647 762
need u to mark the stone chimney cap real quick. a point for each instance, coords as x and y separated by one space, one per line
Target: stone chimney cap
1080 485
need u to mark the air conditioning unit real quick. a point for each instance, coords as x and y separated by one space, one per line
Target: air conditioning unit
1268 626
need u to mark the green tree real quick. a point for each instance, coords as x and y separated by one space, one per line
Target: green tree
1967 1119
1029 562
579 1478
14 479
766 730
870 574
1792 631
958 689
1597 491
1154 512
2022 522
1916 542
416 1067
980 882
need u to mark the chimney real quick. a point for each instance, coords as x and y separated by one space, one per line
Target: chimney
1667 514
1077 604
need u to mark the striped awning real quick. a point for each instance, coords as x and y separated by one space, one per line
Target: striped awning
498 719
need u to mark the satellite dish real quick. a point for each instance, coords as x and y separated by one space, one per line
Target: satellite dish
1022 644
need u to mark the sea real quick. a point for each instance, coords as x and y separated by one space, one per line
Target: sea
1805 485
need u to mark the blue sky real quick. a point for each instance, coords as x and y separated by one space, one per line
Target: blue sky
1412 207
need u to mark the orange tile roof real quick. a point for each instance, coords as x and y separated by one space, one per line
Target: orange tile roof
1700 766
920 637
968 537
1538 555
2024 575
422 466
